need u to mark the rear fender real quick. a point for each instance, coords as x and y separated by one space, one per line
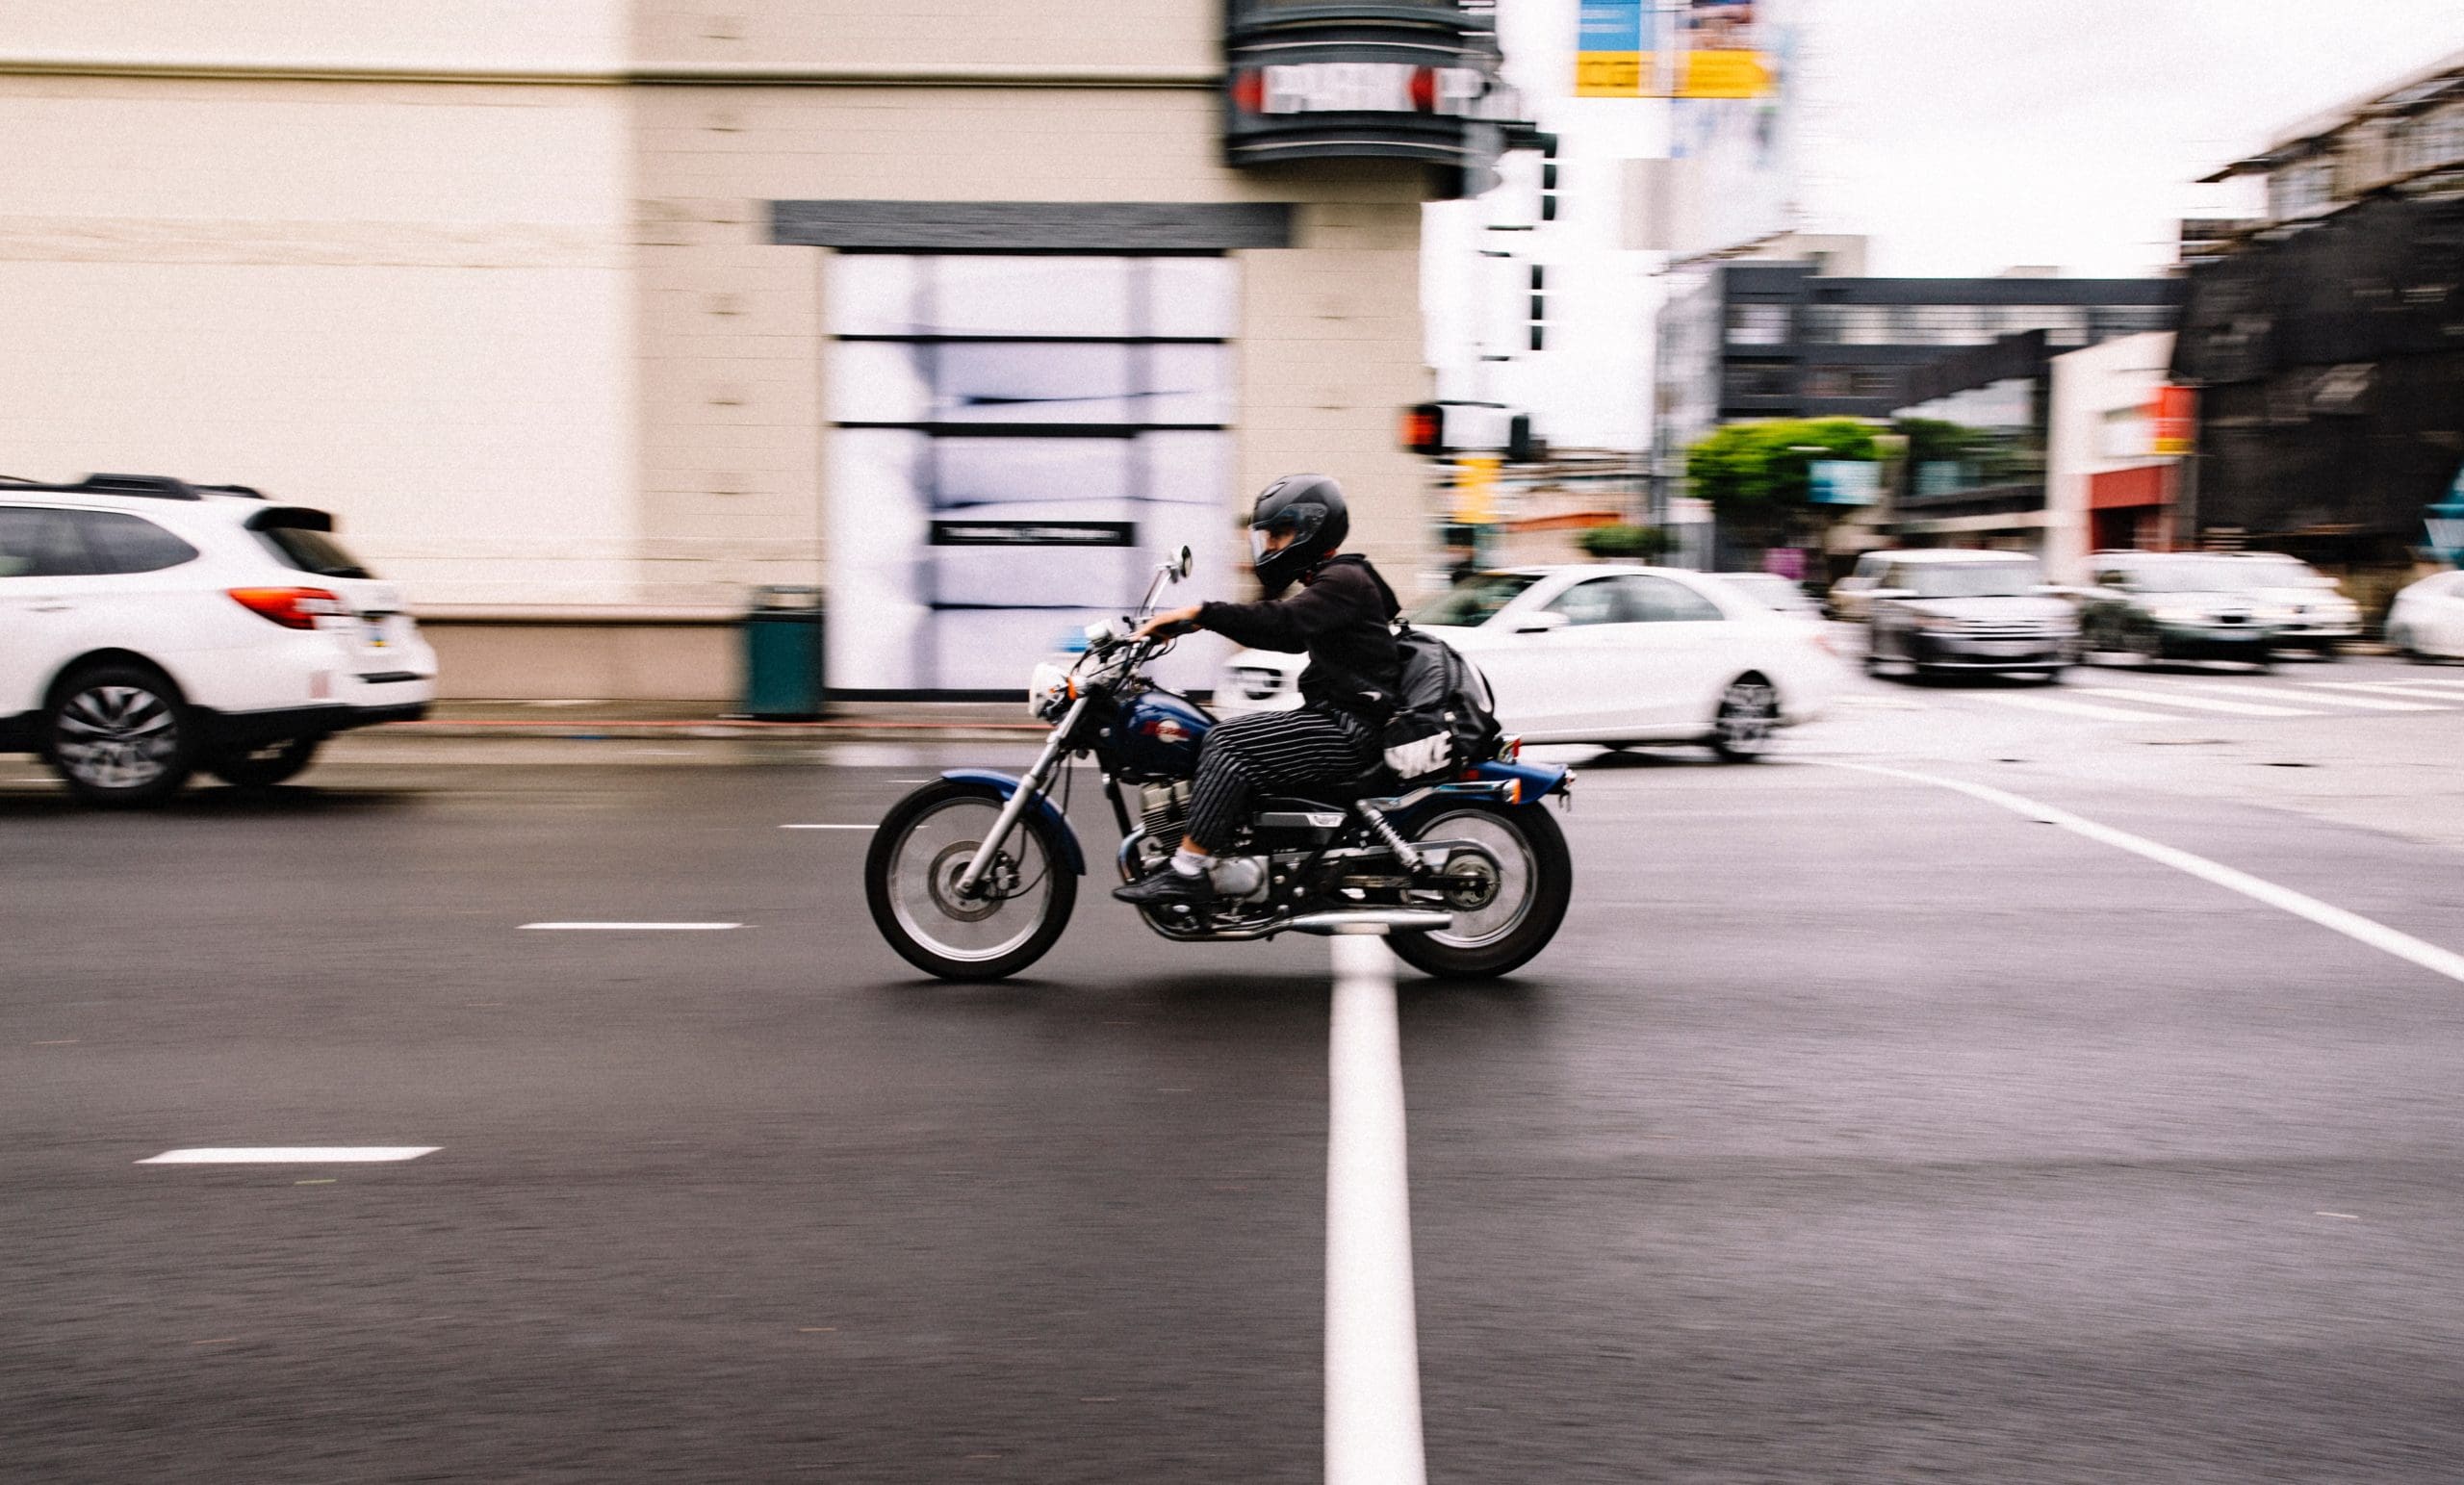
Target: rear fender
1071 856
1539 781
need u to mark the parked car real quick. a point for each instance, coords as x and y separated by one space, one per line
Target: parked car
156 627
2427 620
2165 605
2319 617
1609 654
1846 600
1955 610
1780 595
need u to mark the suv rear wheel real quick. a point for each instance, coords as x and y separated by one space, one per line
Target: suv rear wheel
266 764
120 736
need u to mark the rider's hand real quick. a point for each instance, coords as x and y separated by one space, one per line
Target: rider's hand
1166 625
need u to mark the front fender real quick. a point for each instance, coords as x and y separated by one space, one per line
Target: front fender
1071 856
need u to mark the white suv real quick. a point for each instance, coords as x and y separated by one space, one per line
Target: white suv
149 628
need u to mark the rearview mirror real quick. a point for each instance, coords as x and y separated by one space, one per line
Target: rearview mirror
1542 622
1182 564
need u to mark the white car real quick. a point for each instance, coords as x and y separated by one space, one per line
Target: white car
156 627
1607 654
2427 620
2318 616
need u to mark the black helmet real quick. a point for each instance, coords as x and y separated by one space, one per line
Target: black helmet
1311 507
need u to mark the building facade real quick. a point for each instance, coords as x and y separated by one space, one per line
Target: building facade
1789 340
588 318
2325 337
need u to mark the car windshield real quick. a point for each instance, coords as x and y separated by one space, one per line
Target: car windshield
1974 579
1474 599
2211 574
1772 592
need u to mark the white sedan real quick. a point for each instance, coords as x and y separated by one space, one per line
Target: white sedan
1607 654
2428 619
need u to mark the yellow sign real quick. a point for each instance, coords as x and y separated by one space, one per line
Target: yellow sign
1724 75
1475 489
1611 74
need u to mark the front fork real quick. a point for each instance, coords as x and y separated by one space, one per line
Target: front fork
1030 788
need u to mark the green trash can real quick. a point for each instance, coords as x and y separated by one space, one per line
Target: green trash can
783 655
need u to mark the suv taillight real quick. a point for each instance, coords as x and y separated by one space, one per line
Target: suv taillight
294 609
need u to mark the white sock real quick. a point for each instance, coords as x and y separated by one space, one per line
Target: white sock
1189 862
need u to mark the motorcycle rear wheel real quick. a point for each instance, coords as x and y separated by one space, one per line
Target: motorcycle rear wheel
1536 883
911 874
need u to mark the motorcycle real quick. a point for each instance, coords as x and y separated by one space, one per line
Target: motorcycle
974 876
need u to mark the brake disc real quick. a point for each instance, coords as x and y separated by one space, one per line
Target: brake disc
998 885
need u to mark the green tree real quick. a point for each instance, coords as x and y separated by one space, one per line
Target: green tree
1763 468
1626 543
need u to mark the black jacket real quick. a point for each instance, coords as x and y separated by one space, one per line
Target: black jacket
1342 617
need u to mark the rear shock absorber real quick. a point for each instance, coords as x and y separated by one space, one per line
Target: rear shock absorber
1394 839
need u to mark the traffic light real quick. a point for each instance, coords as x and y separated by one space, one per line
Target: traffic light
1423 428
1539 307
1548 177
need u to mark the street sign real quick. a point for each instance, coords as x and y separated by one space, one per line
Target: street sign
2445 523
1475 489
1844 482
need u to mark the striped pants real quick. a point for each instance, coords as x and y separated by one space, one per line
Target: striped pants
1270 750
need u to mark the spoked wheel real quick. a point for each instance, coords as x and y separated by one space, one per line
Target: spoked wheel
1518 907
1749 713
121 737
266 764
912 876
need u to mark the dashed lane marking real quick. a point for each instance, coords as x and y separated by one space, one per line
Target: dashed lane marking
633 928
1373 1425
2192 703
2073 708
289 1153
2352 925
2324 699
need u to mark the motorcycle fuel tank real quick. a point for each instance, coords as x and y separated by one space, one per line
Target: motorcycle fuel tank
1160 734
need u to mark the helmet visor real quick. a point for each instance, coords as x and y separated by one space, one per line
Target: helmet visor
1257 544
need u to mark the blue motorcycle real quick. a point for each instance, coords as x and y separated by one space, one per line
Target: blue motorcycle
974 876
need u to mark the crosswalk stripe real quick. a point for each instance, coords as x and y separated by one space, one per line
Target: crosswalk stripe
2436 682
2193 702
2375 688
2325 699
2075 708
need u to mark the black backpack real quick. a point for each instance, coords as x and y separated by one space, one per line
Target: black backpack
1444 720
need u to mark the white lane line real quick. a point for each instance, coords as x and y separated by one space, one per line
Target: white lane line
634 928
2192 703
2073 708
1373 1345
2352 925
825 826
2407 689
291 1154
2323 699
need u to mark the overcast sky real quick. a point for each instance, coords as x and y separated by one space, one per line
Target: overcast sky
1969 135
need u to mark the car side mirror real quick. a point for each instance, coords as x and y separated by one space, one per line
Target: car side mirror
1546 622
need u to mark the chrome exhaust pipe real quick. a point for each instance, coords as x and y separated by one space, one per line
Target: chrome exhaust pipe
1371 920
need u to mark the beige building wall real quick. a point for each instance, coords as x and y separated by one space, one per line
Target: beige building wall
494 281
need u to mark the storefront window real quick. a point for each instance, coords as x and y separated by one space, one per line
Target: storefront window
1017 438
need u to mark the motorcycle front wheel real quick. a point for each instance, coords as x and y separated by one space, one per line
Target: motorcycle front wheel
911 874
1535 881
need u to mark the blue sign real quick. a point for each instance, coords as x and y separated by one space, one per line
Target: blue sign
1844 482
2445 524
1611 26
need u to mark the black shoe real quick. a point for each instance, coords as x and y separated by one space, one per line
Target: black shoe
1165 888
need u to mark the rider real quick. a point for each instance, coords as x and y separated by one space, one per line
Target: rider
1341 616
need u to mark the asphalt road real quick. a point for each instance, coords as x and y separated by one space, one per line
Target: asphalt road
1854 1129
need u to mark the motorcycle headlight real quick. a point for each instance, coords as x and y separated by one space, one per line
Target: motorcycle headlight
1047 691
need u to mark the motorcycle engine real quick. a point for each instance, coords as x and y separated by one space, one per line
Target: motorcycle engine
1164 809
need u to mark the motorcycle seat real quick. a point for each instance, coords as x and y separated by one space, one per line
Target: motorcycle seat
1369 783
